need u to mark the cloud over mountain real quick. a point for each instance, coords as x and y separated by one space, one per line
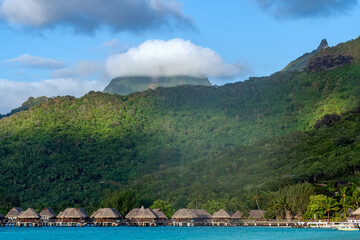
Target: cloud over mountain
306 8
169 58
87 16
27 60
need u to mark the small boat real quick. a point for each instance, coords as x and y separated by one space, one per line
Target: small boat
348 229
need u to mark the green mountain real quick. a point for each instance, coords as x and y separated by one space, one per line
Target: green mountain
188 142
301 63
127 85
25 106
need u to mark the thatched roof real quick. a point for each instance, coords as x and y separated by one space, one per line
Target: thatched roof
236 215
356 212
29 213
60 214
184 214
222 214
256 214
201 213
14 212
159 213
106 213
146 213
47 213
1 215
191 214
133 213
73 213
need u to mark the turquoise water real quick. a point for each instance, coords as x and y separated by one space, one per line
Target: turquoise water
213 233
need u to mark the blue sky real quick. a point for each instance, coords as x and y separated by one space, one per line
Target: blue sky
54 48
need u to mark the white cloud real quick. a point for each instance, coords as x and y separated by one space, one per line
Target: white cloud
83 69
170 58
13 94
89 15
27 60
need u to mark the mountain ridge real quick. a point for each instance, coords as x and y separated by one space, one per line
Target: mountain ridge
61 149
301 63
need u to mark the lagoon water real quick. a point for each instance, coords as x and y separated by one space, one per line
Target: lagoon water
213 233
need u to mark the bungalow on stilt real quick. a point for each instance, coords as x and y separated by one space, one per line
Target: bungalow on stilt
222 218
13 214
236 218
142 217
106 217
48 216
29 218
73 217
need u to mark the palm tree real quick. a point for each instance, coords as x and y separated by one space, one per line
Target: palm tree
194 200
344 200
282 203
256 198
355 199
330 205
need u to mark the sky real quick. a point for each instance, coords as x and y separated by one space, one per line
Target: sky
55 47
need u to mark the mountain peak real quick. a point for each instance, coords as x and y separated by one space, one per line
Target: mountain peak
323 45
300 63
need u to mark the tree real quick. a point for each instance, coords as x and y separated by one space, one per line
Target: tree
194 201
282 203
298 196
344 200
164 206
8 200
330 206
122 201
316 208
256 200
212 206
355 199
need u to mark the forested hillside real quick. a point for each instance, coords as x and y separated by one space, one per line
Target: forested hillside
177 143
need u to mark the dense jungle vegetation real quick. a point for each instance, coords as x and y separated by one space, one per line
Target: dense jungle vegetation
236 146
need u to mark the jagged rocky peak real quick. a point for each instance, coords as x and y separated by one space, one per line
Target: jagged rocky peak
323 45
300 63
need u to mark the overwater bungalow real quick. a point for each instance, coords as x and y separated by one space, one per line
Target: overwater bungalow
73 215
13 214
132 214
162 218
106 217
47 215
142 217
30 216
236 218
191 217
222 218
256 214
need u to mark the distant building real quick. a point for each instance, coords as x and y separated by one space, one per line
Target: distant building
73 215
146 217
13 214
191 217
47 215
29 216
106 216
222 217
